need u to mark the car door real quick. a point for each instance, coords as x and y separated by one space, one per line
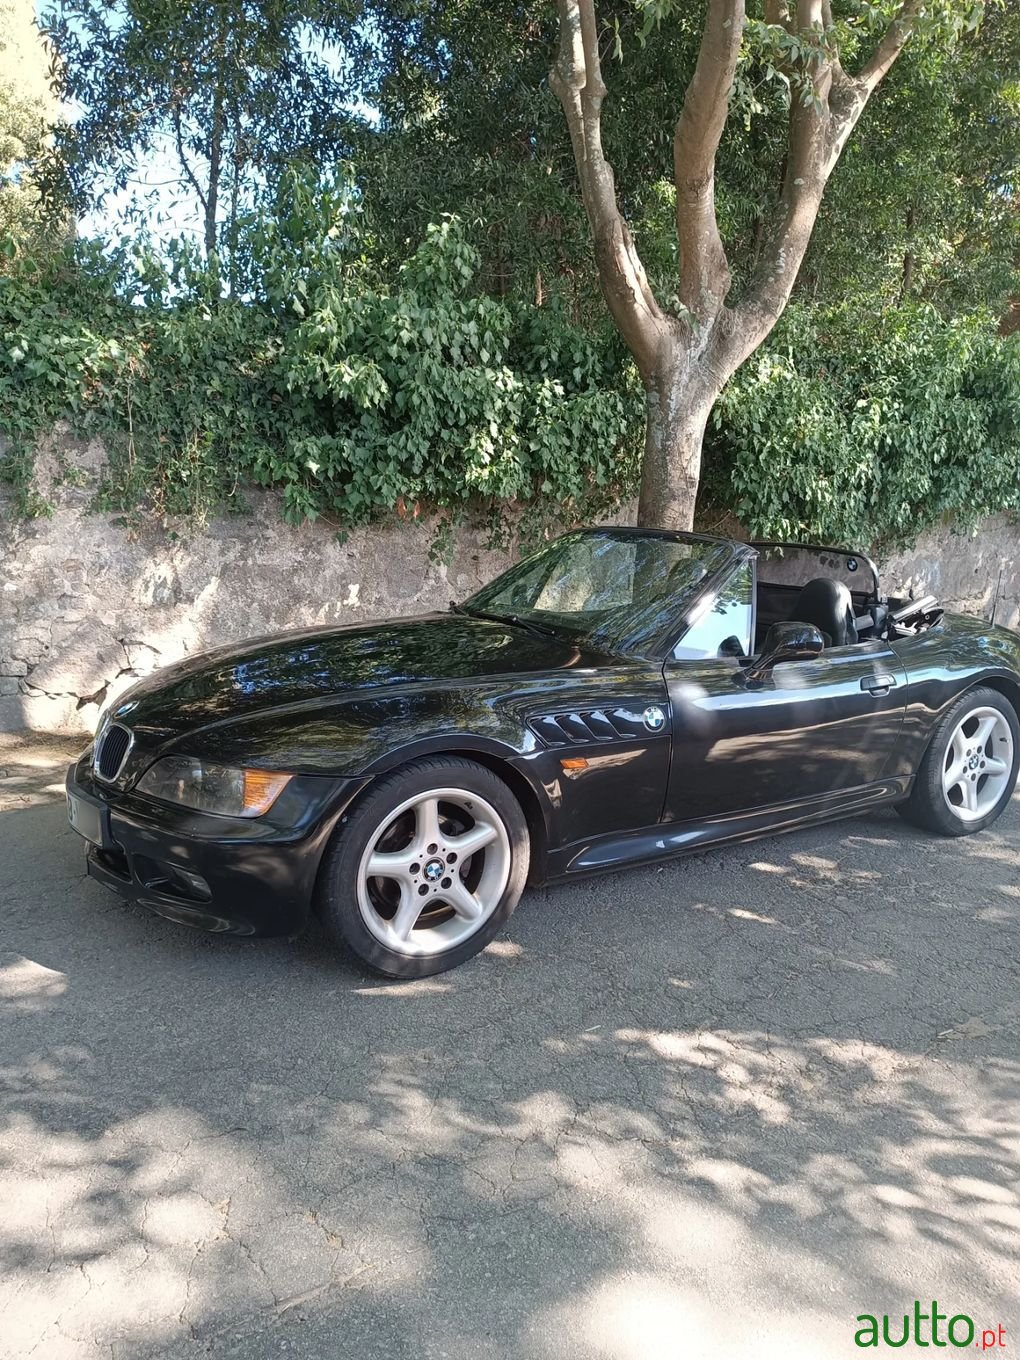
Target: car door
811 728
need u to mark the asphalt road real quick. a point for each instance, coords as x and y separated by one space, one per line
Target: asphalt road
714 1109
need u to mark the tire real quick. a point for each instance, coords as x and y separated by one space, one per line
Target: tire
969 770
424 826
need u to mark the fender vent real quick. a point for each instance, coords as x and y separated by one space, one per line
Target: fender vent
592 727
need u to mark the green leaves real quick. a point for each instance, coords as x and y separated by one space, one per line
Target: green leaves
427 392
854 427
436 394
853 424
221 94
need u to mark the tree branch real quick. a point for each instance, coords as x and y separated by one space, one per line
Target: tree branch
203 202
803 184
704 271
576 80
215 165
838 74
777 12
892 44
819 129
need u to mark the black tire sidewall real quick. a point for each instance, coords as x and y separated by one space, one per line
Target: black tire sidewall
337 890
927 805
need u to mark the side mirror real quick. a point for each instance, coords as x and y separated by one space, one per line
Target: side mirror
786 642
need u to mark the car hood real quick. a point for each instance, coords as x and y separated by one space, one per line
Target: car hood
238 682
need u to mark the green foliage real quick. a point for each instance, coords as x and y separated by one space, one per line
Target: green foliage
469 126
378 355
354 398
923 202
350 397
27 108
221 94
860 428
432 393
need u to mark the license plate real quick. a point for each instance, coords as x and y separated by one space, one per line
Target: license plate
86 819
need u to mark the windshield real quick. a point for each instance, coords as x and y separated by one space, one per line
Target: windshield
614 588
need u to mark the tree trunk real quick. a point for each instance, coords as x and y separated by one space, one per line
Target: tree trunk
686 362
678 403
216 139
215 162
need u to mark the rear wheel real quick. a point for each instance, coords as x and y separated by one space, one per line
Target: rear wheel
427 868
969 771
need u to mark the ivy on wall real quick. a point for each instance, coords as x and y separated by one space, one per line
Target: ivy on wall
353 397
866 428
348 397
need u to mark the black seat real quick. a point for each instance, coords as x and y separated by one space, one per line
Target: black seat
828 605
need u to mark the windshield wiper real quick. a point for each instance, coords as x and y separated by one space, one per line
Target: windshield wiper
542 629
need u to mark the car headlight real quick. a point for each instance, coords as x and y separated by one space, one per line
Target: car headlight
207 787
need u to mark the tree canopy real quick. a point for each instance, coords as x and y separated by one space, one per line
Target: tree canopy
468 126
28 110
223 94
394 303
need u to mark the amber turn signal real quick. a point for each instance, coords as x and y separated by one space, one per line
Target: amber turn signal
261 790
574 763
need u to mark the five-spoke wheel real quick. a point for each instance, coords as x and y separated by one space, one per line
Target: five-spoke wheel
434 872
429 865
969 771
978 763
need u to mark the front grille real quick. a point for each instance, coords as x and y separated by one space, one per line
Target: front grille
111 751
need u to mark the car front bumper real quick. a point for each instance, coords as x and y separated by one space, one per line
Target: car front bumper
228 874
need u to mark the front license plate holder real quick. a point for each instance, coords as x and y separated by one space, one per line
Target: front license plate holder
90 820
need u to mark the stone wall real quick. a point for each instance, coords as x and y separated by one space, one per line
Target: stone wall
89 601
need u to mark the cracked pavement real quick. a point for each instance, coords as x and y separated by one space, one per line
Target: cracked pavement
717 1107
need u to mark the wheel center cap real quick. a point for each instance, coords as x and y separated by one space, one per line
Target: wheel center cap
434 870
973 762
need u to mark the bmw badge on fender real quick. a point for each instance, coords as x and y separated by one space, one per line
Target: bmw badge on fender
617 698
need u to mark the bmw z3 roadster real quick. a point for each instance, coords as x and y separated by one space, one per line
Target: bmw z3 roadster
617 698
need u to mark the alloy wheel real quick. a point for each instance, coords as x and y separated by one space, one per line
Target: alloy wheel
434 871
978 764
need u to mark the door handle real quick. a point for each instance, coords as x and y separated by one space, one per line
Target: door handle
878 684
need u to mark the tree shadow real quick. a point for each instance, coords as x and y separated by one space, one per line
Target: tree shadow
724 1104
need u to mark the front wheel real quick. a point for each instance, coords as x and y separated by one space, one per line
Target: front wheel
426 869
969 771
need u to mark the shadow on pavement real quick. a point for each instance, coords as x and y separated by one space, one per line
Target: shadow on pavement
719 1107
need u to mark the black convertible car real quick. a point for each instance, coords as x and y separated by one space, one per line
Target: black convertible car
619 697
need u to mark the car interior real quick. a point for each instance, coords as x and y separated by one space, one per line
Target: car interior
836 591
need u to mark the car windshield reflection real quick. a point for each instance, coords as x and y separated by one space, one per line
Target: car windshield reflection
608 588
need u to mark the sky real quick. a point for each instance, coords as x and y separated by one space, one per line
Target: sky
156 197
